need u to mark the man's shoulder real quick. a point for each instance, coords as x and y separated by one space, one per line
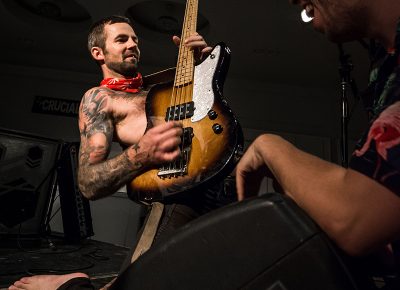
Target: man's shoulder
99 89
95 93
114 94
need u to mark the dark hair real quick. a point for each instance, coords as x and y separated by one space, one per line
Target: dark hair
96 36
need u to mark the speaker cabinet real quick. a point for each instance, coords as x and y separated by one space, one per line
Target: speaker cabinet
27 181
75 208
261 243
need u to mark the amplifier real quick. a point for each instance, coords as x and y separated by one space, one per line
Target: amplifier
75 208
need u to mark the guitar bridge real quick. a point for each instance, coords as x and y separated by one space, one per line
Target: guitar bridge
179 166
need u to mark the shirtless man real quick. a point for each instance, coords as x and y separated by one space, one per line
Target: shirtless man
115 111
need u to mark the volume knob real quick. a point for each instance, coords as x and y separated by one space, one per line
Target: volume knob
212 115
217 128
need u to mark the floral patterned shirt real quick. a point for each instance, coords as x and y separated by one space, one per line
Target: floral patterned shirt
377 153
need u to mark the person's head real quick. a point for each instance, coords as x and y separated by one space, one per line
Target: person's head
112 42
339 20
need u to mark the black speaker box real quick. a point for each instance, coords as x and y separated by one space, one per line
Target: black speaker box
261 243
27 182
75 208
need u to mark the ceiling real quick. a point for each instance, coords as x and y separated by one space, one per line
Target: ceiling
269 43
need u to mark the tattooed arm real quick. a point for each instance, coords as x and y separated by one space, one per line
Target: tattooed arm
98 176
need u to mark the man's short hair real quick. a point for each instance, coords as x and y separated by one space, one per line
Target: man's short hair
97 36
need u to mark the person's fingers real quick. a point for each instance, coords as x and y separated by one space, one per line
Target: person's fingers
170 144
240 186
171 156
176 40
193 37
173 133
196 44
165 127
206 50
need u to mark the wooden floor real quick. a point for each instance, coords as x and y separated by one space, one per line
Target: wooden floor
101 261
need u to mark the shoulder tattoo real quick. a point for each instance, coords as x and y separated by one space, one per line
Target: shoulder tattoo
93 110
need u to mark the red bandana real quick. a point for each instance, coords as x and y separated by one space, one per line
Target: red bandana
127 85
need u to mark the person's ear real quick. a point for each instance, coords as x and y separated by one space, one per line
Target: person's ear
97 53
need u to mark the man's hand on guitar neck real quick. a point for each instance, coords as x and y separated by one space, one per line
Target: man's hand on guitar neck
197 43
158 145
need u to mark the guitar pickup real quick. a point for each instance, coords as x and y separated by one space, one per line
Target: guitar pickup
180 112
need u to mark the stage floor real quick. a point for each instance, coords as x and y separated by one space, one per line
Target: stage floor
101 261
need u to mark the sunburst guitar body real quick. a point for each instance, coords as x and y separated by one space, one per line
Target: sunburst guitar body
212 138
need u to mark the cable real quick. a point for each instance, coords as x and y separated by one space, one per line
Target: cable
59 208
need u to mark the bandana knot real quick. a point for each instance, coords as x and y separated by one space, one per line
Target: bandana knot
131 85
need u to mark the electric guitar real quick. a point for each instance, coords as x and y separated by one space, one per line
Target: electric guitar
212 139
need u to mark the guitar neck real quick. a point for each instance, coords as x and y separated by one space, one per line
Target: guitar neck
185 64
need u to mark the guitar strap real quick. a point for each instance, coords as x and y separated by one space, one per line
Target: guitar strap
149 231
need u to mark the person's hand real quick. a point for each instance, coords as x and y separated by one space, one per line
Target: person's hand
197 43
250 171
158 145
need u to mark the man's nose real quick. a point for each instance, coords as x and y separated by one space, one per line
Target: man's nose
132 43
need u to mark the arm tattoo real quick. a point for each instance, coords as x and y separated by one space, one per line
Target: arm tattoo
136 147
94 110
98 177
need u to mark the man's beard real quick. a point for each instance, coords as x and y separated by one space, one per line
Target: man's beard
126 69
344 23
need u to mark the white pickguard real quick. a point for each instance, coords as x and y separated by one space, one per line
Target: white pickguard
203 94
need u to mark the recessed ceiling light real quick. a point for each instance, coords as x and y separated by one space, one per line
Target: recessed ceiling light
59 10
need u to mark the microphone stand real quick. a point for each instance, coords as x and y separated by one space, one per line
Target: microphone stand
345 68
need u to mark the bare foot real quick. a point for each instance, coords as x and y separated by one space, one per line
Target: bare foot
44 282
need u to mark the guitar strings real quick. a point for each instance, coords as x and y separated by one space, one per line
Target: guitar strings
183 82
189 70
175 87
183 67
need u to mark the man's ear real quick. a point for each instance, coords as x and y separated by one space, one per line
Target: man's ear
97 53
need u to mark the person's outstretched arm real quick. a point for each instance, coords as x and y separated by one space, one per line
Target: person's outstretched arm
358 213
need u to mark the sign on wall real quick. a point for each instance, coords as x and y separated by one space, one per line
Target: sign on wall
55 106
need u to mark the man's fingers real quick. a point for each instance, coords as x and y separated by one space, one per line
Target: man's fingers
171 156
207 50
166 127
194 40
176 40
240 186
172 133
193 37
170 144
196 44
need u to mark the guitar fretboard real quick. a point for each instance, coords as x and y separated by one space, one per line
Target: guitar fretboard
185 64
